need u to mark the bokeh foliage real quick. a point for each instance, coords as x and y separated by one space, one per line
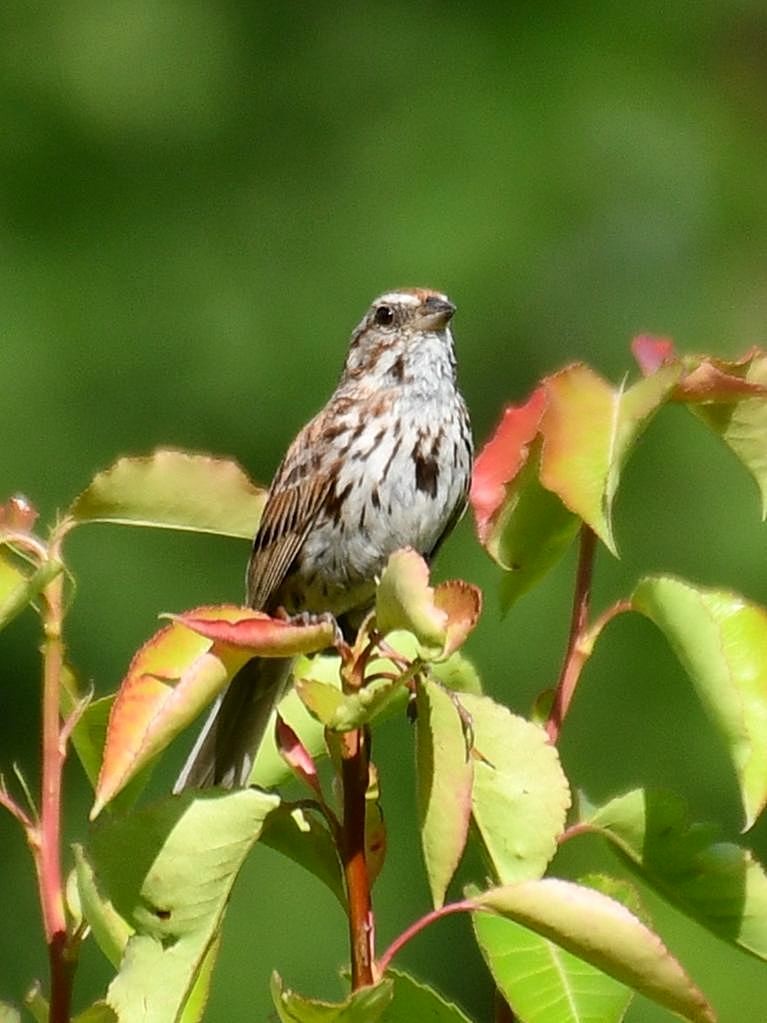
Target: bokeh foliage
197 203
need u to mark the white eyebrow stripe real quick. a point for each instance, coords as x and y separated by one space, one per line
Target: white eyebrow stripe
399 298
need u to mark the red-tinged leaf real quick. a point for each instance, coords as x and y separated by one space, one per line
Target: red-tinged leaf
462 603
502 457
652 352
295 754
440 618
174 490
530 533
588 431
405 600
18 513
173 677
711 382
256 632
600 930
742 425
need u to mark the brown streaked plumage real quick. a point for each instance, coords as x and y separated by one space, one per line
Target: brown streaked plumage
385 464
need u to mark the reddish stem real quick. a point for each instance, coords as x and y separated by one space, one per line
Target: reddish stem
354 776
48 857
575 655
464 906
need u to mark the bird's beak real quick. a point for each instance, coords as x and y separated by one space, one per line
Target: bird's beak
436 313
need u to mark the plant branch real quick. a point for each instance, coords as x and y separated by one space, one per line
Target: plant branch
48 856
355 756
13 808
464 906
575 656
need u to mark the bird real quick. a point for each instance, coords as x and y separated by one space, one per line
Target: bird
386 464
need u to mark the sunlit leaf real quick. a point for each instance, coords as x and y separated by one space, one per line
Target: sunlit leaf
501 459
364 1006
414 1002
164 876
174 490
599 930
742 425
110 928
440 618
170 680
531 532
405 600
9 1013
542 982
445 773
269 769
719 884
99 1012
179 671
257 632
342 712
20 584
520 794
721 640
588 430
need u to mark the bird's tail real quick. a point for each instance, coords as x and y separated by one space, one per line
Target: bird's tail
226 747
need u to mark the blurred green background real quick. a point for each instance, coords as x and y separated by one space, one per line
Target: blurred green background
197 203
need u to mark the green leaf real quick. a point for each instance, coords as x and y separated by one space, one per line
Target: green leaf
721 640
270 770
162 874
520 794
414 1002
20 584
9 1013
305 839
405 600
342 712
174 490
36 1004
440 618
110 929
99 1012
445 772
531 533
742 425
542 982
364 1006
599 930
545 984
717 883
588 431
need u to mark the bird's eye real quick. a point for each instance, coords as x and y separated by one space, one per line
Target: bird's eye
384 316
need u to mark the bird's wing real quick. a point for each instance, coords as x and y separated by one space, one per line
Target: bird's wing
289 515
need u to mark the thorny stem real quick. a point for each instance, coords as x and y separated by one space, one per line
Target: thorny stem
575 655
48 854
